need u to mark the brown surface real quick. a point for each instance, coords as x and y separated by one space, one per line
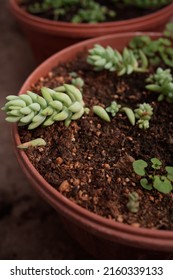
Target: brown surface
29 228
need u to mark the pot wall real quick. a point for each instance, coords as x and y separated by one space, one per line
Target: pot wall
104 238
47 37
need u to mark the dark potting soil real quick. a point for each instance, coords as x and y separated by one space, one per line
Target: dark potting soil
90 162
122 12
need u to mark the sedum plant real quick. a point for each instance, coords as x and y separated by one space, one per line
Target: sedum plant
112 60
153 177
143 113
77 81
64 103
162 82
155 50
114 108
89 11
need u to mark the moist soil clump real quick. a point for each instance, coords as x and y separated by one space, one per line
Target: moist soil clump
90 162
123 11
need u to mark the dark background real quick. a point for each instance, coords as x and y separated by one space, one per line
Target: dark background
29 228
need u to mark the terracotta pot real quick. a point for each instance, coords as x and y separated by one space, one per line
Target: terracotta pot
47 36
104 238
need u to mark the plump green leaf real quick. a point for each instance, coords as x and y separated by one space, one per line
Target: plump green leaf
139 167
162 184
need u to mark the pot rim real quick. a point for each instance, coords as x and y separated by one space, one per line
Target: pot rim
148 238
167 10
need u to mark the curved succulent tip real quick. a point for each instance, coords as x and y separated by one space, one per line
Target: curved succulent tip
101 112
32 143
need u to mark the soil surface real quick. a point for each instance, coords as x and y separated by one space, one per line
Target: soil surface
90 162
122 12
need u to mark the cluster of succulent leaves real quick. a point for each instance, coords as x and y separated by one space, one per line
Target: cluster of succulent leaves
153 175
89 11
142 113
155 50
64 103
162 82
112 60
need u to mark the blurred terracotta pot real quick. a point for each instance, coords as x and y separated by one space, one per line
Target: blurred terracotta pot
104 238
47 36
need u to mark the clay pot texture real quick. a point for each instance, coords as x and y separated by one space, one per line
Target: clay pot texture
104 238
47 36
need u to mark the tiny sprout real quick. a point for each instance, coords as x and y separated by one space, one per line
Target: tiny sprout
32 143
77 81
156 163
151 178
113 108
143 113
133 204
101 112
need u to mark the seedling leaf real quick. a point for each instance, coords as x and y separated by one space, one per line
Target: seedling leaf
145 184
139 167
156 163
169 169
162 184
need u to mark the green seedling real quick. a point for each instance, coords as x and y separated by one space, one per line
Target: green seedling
101 112
133 203
152 177
162 82
89 11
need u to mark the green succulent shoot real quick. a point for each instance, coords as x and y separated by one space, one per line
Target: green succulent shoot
162 82
133 203
77 81
152 177
113 109
112 60
64 103
143 113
